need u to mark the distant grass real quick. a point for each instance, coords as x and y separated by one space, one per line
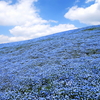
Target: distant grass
44 40
91 29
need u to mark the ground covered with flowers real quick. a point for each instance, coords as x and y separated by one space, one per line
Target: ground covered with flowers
62 66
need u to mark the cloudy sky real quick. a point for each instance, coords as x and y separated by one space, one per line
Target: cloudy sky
28 19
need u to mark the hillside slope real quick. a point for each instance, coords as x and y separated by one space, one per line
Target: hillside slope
62 66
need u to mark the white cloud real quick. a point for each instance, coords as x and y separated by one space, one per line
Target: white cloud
6 39
29 31
20 13
27 22
3 39
89 15
53 21
87 1
77 1
62 27
39 30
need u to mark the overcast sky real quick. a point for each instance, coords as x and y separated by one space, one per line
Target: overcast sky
28 19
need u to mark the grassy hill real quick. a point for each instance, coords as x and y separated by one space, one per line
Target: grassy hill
62 66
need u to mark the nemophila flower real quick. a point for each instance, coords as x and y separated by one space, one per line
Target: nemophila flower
65 65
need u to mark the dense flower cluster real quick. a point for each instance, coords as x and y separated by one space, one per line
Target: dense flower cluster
62 66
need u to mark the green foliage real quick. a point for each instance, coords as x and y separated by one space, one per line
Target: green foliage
91 29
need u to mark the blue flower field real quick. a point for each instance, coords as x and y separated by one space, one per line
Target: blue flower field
62 66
